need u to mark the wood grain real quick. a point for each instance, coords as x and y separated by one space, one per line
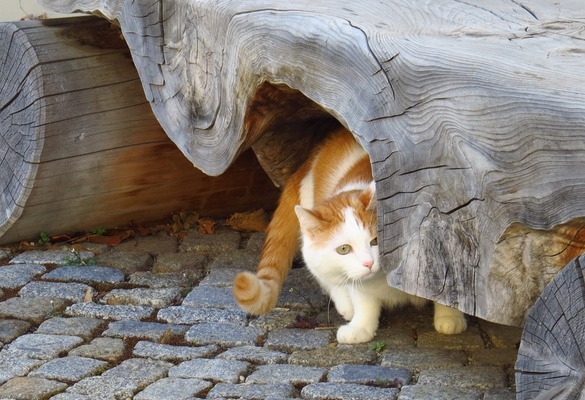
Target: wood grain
473 114
551 358
80 147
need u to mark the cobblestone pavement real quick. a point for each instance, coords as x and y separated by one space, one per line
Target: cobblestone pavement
154 319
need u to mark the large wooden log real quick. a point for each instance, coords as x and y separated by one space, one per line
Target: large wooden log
473 114
551 358
79 145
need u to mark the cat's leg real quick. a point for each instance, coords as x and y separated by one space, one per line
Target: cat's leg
364 323
449 320
342 299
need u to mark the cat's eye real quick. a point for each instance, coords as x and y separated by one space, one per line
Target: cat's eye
343 249
374 242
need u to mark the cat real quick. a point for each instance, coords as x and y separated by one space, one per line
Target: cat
330 203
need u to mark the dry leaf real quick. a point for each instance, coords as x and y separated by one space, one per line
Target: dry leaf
206 226
254 221
88 297
166 337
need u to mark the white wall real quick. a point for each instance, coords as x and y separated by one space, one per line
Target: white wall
14 10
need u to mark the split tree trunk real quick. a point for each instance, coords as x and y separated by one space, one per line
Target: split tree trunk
473 115
79 145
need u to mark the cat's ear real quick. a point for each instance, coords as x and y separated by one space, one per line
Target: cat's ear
368 196
309 222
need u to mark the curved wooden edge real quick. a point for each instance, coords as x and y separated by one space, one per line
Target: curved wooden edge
22 100
551 358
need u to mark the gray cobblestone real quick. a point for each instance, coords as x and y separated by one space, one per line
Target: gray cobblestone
369 375
211 296
330 356
107 349
238 260
471 339
215 370
77 326
276 319
297 339
286 373
154 298
346 391
69 291
189 263
433 392
59 257
158 281
165 352
34 310
10 329
69 369
122 381
119 312
470 377
223 241
252 391
254 354
502 336
42 346
86 274
174 389
161 243
18 275
192 315
13 365
219 276
127 261
423 358
224 335
24 388
143 330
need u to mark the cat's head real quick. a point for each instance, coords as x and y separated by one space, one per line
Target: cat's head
340 236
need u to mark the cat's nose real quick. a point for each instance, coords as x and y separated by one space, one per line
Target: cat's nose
368 264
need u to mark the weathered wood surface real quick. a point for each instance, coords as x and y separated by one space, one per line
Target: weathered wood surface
473 114
551 358
79 145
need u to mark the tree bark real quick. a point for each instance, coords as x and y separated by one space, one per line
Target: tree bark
473 116
80 147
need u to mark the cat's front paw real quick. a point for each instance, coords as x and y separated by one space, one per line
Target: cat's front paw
351 334
345 310
450 324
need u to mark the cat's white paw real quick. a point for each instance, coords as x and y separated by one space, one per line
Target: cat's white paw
345 310
450 324
351 334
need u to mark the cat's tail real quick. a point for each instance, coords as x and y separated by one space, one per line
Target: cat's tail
258 293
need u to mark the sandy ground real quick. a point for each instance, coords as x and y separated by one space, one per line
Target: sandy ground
14 10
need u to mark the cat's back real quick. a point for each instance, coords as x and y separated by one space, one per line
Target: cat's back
338 161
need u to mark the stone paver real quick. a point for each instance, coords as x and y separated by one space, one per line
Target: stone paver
90 274
42 346
215 370
69 291
286 373
163 324
69 369
107 312
166 352
174 389
18 275
24 388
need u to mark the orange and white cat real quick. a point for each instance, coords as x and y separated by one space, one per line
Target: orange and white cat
330 204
